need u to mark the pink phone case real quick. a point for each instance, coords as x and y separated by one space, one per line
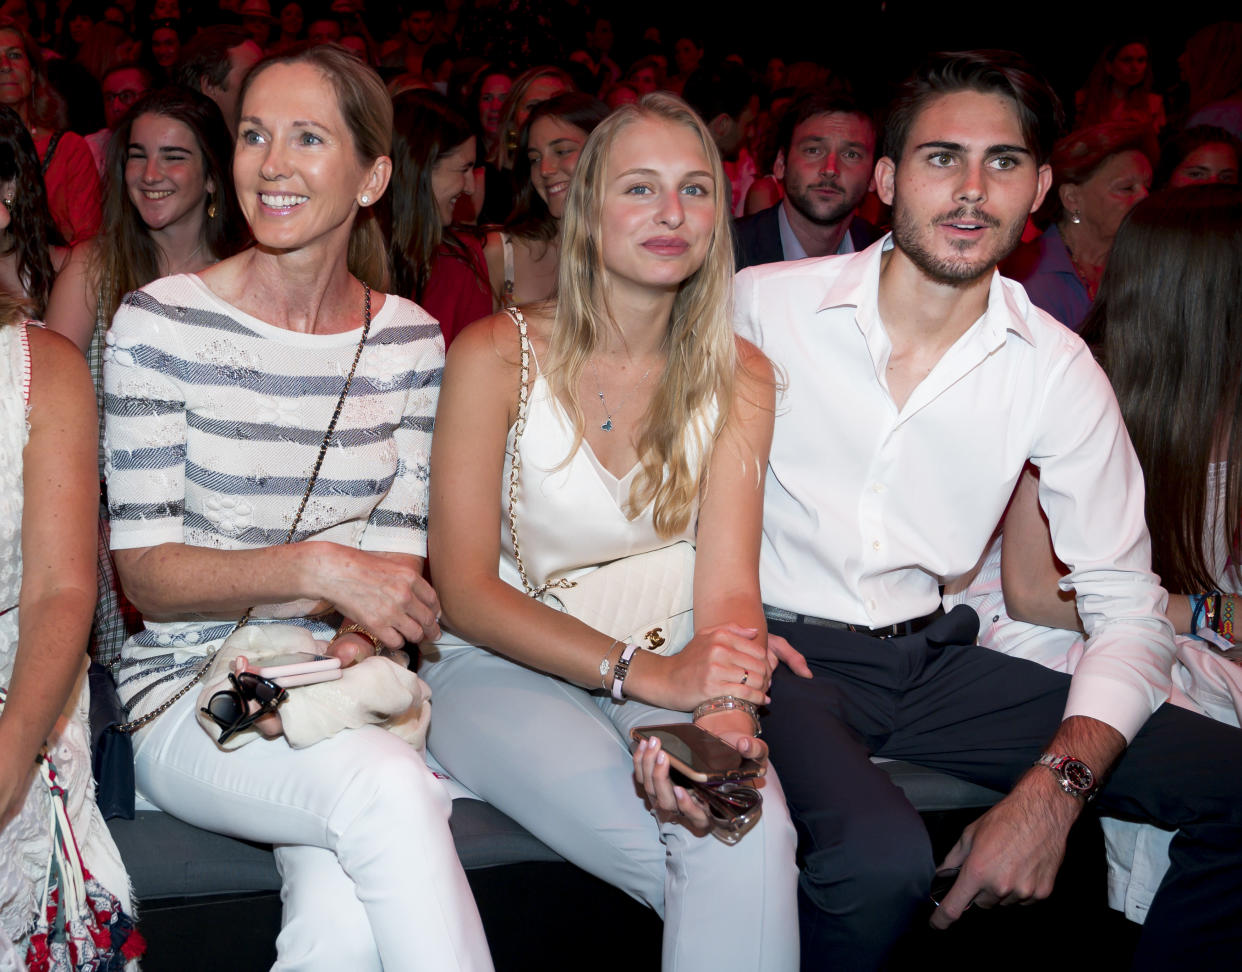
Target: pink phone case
301 668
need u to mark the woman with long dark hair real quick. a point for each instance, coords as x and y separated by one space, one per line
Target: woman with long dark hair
169 207
436 265
522 257
1166 325
31 248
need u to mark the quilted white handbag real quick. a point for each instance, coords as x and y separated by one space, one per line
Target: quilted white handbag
646 599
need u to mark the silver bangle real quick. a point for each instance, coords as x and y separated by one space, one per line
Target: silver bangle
605 666
725 703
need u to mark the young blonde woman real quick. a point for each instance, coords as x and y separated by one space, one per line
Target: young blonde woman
648 424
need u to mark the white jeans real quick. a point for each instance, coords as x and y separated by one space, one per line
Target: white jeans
557 760
370 876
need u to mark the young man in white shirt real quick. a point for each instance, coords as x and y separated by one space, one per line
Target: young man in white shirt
919 384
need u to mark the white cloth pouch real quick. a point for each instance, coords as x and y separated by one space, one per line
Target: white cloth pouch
374 691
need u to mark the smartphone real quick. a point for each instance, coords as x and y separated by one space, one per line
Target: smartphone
699 755
300 668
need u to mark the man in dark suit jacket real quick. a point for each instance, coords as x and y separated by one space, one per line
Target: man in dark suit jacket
825 164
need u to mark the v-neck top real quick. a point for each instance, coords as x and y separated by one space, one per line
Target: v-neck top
570 509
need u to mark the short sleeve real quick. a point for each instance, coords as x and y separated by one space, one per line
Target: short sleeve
398 523
145 430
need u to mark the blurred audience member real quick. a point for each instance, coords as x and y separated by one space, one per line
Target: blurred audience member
1099 174
121 87
257 20
1212 68
522 259
433 155
291 18
530 87
1119 89
164 47
30 250
69 171
216 62
825 162
1199 156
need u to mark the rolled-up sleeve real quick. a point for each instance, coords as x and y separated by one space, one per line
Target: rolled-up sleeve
1091 488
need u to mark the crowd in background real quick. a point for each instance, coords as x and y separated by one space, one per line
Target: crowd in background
119 123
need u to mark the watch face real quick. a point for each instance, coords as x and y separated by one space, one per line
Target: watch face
1078 774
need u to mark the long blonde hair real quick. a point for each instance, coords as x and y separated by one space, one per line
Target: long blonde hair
674 446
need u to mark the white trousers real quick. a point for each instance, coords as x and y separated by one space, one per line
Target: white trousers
370 876
557 760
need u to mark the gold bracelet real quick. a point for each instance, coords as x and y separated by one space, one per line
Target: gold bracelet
358 629
725 703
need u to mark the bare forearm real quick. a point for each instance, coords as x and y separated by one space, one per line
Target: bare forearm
175 581
492 613
54 629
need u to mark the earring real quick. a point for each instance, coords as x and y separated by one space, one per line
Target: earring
1075 217
211 207
365 199
8 201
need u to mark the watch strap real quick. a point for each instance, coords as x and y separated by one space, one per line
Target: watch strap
1056 762
620 670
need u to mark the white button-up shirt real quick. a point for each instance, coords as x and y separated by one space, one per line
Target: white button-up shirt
869 508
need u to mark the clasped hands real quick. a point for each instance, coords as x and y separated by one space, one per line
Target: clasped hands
726 659
385 593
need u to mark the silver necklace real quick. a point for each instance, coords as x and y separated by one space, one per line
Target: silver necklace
599 390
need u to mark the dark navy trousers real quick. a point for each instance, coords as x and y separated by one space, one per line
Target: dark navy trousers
938 700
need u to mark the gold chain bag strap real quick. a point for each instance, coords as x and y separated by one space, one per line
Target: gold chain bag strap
164 706
646 599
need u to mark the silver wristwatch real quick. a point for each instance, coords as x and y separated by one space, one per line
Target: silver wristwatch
1075 776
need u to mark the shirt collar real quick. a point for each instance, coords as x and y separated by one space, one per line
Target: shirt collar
792 249
1006 311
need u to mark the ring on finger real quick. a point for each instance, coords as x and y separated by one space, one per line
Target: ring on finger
745 676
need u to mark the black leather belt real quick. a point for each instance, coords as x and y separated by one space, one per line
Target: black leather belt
913 626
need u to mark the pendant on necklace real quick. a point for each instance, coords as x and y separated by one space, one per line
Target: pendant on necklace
607 426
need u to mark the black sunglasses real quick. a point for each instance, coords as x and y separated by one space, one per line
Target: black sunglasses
230 710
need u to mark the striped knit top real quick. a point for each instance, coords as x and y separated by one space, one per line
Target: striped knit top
214 420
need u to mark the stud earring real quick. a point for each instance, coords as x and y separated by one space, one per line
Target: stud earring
1075 217
365 199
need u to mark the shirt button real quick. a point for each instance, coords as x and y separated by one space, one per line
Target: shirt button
877 487
871 605
875 544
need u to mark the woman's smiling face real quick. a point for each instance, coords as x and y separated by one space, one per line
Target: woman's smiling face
298 175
